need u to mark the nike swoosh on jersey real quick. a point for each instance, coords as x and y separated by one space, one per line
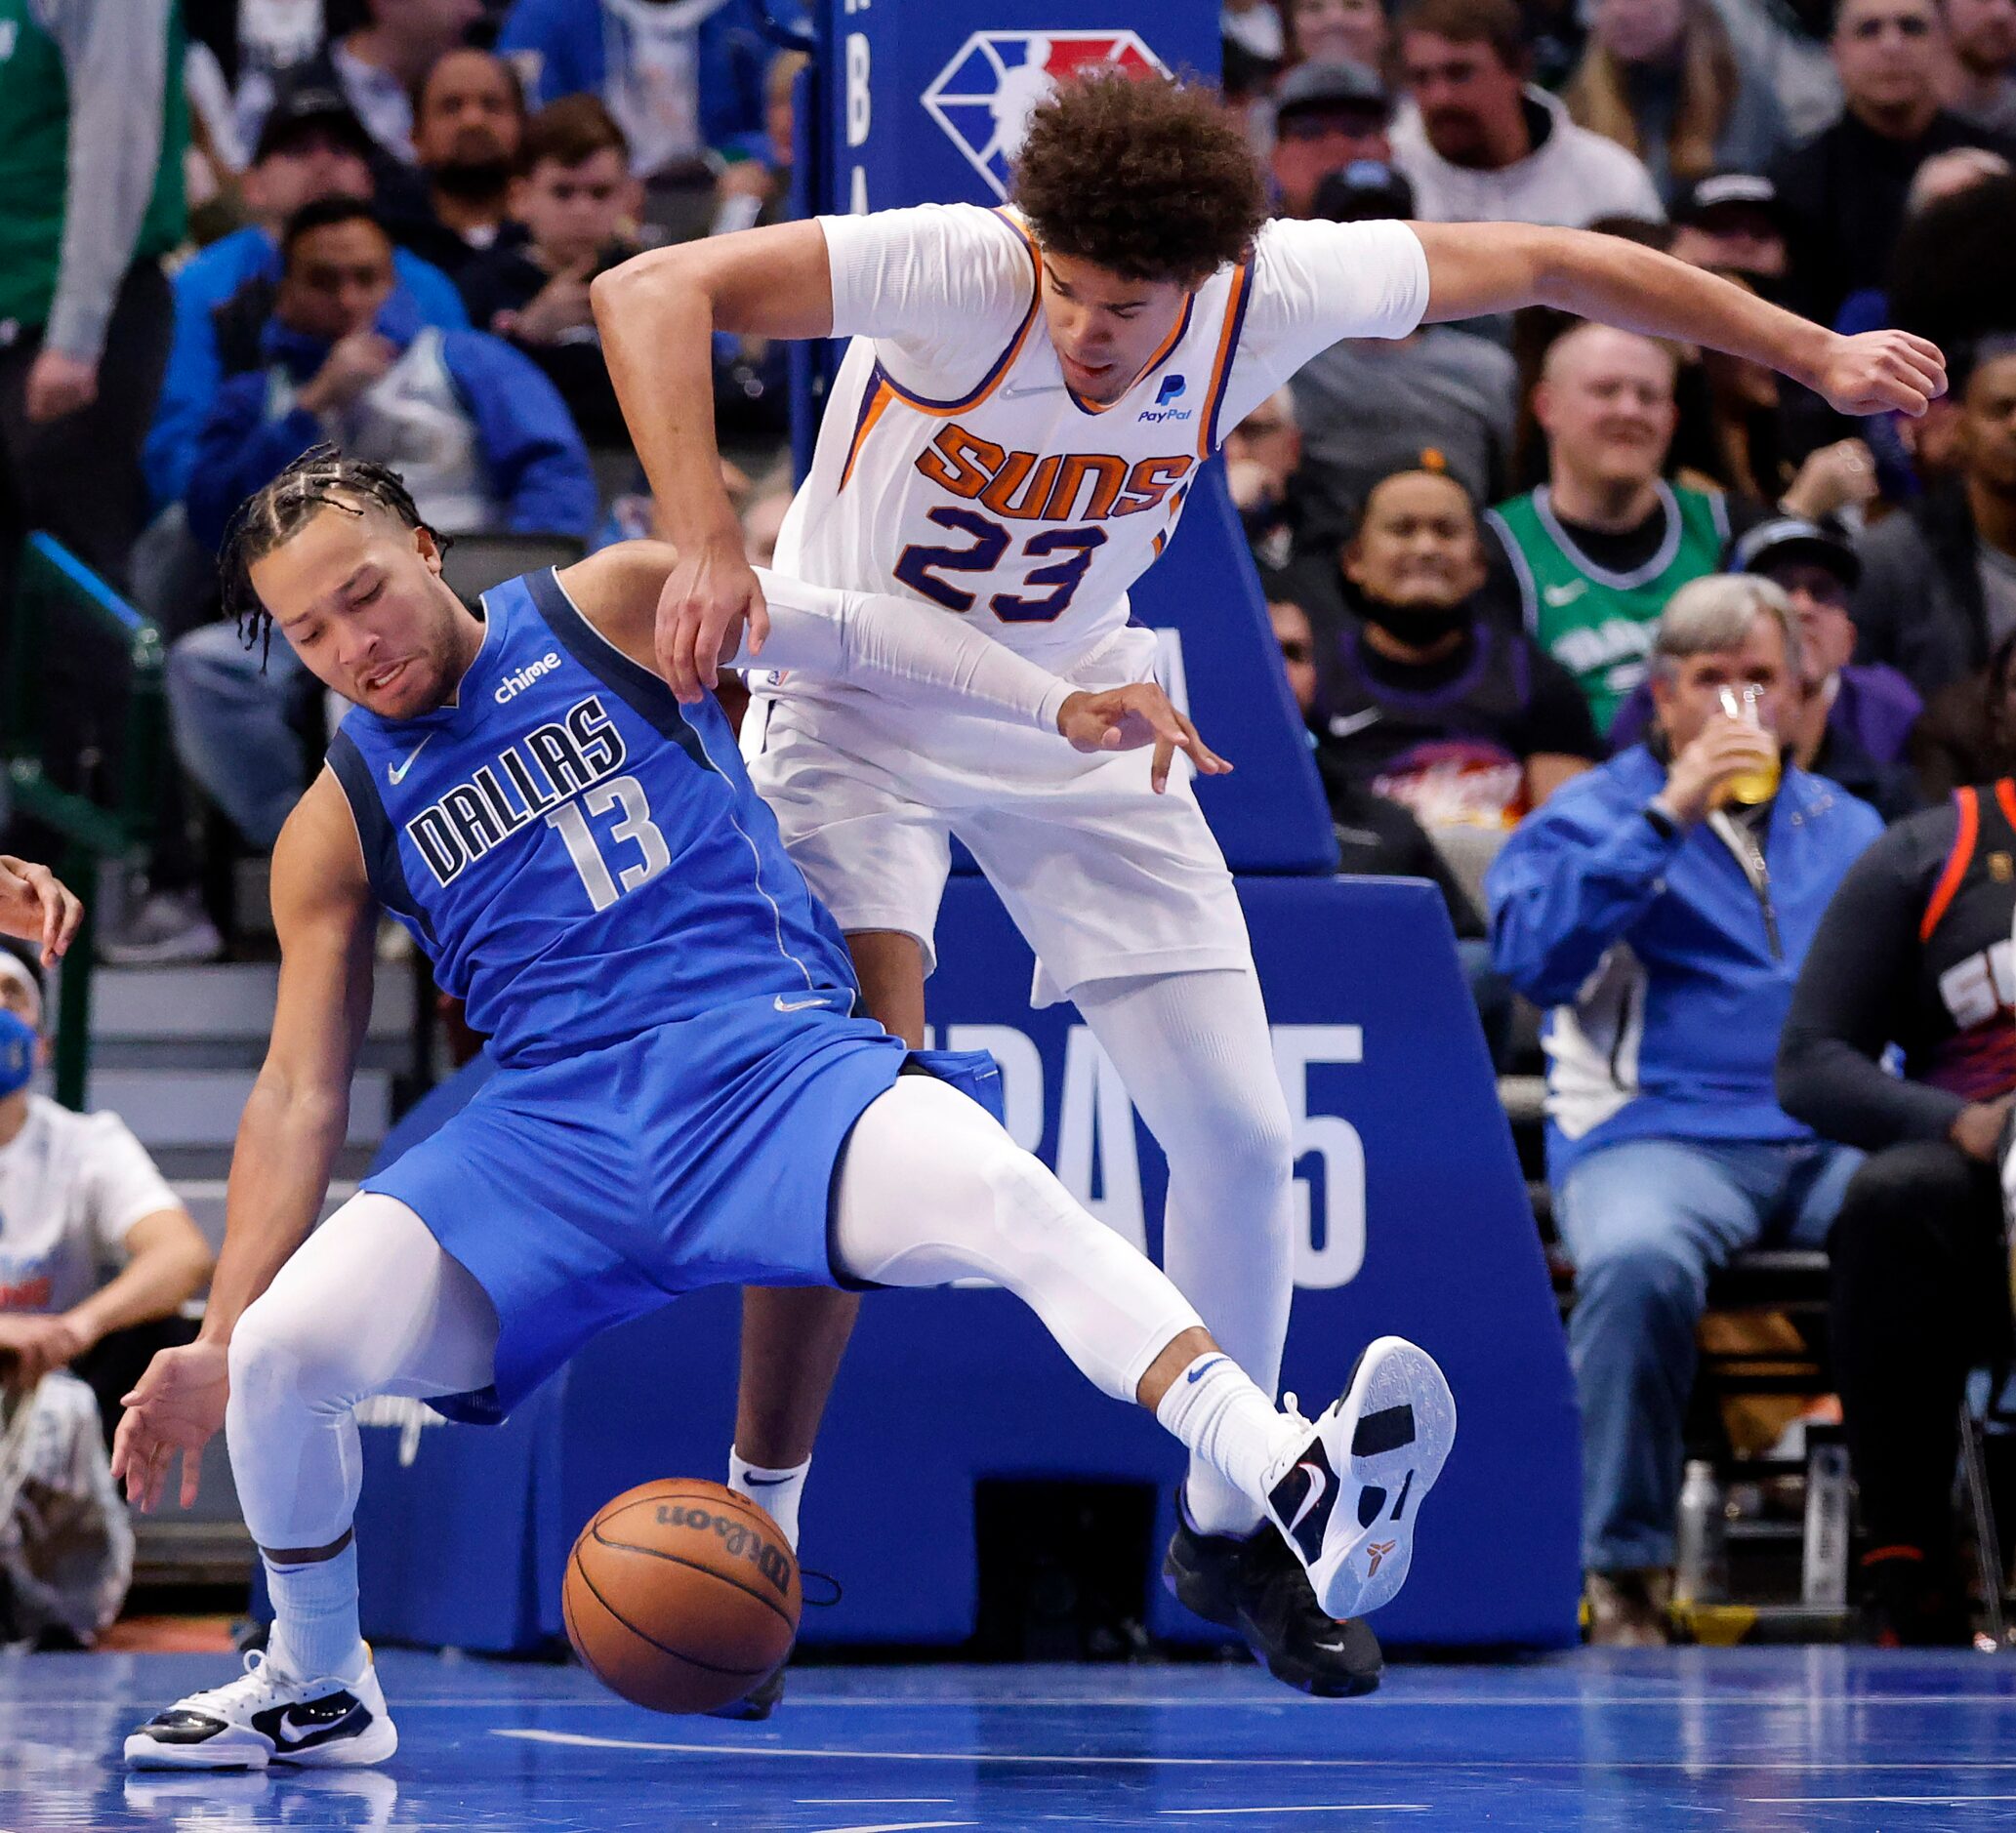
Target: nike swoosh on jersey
395 774
802 1006
1343 724
1566 594
1032 388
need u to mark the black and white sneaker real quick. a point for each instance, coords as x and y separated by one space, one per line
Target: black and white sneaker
1348 1498
1255 1586
265 1717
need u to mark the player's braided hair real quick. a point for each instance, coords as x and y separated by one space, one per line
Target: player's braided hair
320 478
1148 179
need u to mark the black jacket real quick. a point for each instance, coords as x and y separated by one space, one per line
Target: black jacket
1919 606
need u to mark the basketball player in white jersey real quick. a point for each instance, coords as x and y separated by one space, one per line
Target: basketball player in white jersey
1019 419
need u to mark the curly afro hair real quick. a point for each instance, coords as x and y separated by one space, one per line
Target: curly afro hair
1148 179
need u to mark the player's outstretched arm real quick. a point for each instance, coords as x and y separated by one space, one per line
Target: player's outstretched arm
1476 267
293 1124
658 315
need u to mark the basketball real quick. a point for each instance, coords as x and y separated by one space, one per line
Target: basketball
681 1595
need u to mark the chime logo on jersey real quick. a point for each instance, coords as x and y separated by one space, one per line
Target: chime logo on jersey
551 765
996 81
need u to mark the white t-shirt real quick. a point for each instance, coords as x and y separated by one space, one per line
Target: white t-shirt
956 465
1570 179
71 1186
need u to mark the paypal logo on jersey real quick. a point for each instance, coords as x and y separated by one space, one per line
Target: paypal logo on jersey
1171 387
516 683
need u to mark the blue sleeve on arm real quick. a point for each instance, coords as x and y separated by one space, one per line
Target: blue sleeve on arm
237 451
431 292
1565 887
536 460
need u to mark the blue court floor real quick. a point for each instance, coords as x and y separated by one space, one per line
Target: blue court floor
1736 1738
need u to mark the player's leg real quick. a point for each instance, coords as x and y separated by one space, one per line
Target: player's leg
793 1337
933 1190
369 1304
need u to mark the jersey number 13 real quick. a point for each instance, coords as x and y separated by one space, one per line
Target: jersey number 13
626 794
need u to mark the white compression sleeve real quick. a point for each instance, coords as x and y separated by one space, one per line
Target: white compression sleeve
876 638
932 1190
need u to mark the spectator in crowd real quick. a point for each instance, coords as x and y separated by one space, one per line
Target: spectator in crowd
468 118
1938 589
1914 953
1263 455
1252 30
1425 697
1981 79
576 201
1843 191
1339 31
1597 550
1663 80
1851 723
682 82
1953 269
477 433
1369 406
1377 838
311 146
1966 734
76 1191
1731 221
1327 117
1481 144
91 199
377 68
1665 923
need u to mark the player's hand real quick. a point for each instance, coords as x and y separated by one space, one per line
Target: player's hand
36 906
1881 370
177 1405
33 1343
711 595
1723 749
1125 719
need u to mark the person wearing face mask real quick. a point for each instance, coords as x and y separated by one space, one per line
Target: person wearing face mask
1660 904
1424 698
75 1190
1663 80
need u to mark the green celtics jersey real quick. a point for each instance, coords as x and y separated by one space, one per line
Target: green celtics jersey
1599 624
34 160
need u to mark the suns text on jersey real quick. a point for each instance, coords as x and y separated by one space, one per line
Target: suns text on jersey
551 765
1062 487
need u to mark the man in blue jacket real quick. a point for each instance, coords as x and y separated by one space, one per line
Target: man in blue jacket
311 146
482 439
1664 916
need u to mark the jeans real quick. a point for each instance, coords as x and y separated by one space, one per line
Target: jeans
1646 1222
234 725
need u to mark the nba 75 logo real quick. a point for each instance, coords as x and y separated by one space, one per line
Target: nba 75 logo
996 80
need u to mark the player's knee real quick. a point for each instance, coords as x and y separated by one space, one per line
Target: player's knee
1244 1148
282 1364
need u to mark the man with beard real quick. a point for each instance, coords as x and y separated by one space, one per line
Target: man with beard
1600 547
1981 86
467 120
1428 700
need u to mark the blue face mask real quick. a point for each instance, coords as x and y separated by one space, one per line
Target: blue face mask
18 1040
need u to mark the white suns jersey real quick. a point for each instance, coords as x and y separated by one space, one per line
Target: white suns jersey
956 465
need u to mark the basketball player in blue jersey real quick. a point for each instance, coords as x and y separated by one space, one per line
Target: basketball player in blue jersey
685 1095
1021 412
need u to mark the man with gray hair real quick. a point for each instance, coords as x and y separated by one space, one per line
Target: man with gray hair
1660 904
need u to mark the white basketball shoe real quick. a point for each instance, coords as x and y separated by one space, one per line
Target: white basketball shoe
266 1717
1347 1501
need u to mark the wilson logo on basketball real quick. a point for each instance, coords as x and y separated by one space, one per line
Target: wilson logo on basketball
738 1538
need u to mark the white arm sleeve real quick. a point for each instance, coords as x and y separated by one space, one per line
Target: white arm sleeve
876 639
942 289
1314 283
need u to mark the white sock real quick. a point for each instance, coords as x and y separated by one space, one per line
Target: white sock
775 1491
315 1633
1215 1408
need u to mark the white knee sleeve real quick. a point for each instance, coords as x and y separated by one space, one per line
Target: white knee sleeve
933 1191
369 1304
1196 1058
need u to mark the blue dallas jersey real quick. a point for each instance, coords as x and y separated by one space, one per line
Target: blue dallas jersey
581 857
